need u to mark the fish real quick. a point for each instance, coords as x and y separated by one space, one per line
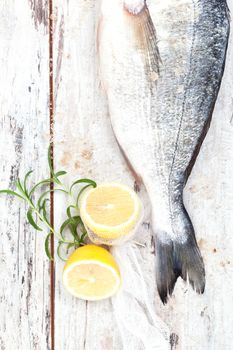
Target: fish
161 77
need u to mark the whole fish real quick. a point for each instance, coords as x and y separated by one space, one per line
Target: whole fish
162 78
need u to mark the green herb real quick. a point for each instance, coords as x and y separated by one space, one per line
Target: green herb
38 209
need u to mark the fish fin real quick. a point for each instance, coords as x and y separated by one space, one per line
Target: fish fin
176 259
145 38
137 177
165 274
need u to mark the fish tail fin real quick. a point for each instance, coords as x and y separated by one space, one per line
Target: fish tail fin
177 258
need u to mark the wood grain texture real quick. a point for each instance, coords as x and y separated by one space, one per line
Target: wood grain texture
24 124
81 138
86 147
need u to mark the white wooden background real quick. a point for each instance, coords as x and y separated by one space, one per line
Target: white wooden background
85 146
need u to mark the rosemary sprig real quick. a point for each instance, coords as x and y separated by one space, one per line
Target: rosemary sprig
37 214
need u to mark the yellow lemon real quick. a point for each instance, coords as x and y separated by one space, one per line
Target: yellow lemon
110 211
91 273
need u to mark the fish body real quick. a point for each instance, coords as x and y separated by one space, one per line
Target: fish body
162 78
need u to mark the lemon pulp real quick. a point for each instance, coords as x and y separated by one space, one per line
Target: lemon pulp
110 210
91 273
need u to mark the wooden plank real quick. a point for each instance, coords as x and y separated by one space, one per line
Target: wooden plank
85 146
81 139
24 126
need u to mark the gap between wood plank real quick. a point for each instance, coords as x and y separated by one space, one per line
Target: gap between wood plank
51 123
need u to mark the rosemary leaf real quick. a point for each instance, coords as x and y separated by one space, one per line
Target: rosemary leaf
90 182
43 182
12 193
47 248
59 251
43 208
68 212
20 187
32 221
25 181
81 191
73 223
60 173
44 194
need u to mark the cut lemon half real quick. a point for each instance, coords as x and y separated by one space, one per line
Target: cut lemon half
110 210
91 273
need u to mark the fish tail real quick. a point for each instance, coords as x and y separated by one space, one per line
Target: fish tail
177 258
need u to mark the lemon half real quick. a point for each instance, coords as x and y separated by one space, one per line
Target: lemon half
91 273
110 210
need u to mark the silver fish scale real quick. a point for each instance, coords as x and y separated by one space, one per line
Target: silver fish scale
192 43
207 56
160 124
